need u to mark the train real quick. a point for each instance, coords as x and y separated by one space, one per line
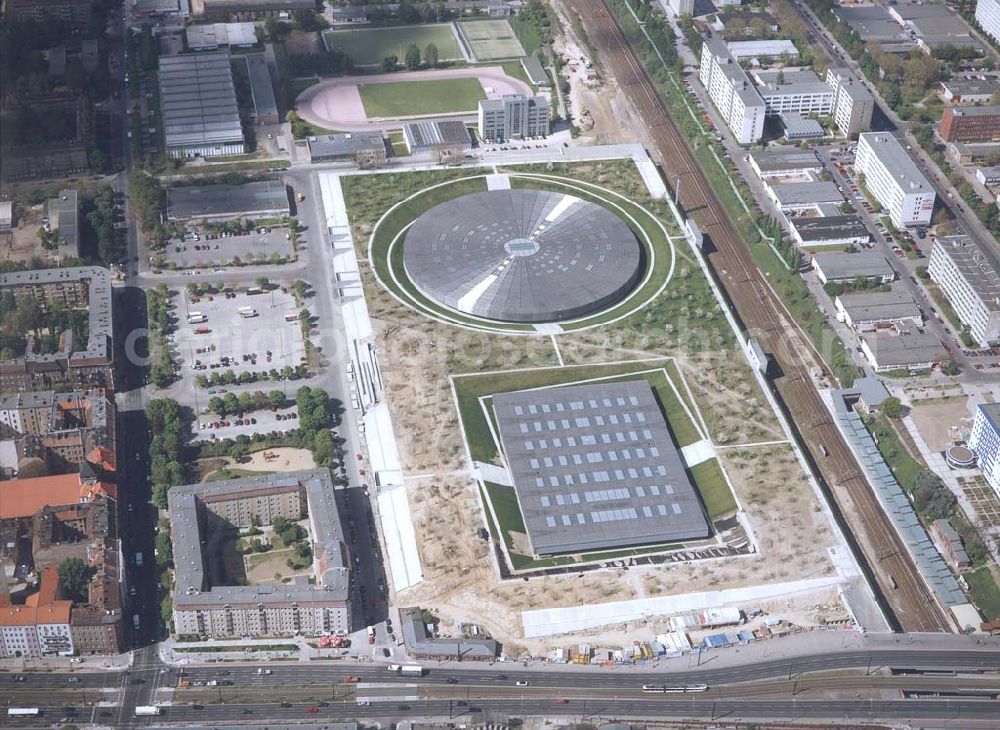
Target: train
671 689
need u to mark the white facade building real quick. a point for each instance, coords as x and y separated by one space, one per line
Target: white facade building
514 117
853 104
985 442
988 17
893 179
970 279
682 7
732 93
794 91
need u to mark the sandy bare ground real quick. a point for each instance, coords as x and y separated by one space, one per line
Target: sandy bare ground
285 459
941 421
336 103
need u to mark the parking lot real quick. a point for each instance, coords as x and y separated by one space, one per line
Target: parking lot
206 250
214 336
210 426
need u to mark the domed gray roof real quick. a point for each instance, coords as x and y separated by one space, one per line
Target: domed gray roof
522 255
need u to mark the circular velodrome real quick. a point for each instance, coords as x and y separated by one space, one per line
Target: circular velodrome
521 255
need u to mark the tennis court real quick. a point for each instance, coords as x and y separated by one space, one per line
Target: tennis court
490 40
368 46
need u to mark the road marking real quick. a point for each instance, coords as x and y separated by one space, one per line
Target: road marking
555 345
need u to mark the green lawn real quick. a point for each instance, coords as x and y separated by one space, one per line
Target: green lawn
413 98
368 46
714 489
904 467
229 472
985 593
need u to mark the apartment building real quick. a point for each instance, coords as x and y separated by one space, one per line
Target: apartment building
853 104
514 117
892 177
732 92
968 274
78 364
207 603
970 124
985 442
988 17
794 91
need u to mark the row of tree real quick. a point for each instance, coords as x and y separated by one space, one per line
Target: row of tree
237 405
169 426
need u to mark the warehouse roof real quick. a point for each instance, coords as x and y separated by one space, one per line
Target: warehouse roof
752 49
986 110
839 266
798 193
908 347
830 228
420 135
198 100
785 157
594 466
534 70
344 145
798 127
879 306
261 89
197 201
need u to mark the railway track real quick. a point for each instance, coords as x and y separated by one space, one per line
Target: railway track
760 310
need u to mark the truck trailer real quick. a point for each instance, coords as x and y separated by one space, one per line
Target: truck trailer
147 710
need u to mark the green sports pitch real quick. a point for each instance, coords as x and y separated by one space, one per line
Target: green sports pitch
368 46
396 99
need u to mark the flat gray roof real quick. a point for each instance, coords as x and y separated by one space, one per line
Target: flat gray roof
198 201
986 110
976 263
330 564
261 88
785 157
896 160
908 347
876 306
872 23
99 306
838 266
418 644
420 135
534 70
972 86
796 193
830 227
343 145
64 215
595 467
199 100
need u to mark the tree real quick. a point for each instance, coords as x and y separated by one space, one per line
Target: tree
164 549
98 161
431 55
262 282
275 398
412 58
74 575
167 609
389 63
891 407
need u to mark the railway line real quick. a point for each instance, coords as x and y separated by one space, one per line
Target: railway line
760 311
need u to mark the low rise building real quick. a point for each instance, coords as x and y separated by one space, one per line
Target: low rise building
213 35
349 16
988 17
970 123
867 311
794 197
420 645
253 200
87 364
64 221
428 136
905 349
514 117
934 26
763 50
950 544
969 90
968 274
6 215
253 9
682 7
534 70
853 104
782 161
988 176
840 267
984 440
835 230
892 177
364 149
205 600
265 105
198 104
75 13
797 127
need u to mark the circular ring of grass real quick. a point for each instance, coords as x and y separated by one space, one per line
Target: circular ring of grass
385 252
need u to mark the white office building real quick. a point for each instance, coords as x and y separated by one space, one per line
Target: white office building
985 442
970 278
893 179
794 91
732 93
853 104
988 17
682 7
514 117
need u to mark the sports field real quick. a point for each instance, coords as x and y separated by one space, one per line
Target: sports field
413 98
491 40
368 46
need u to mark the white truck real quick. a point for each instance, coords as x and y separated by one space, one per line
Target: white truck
261 670
146 710
412 669
138 560
196 318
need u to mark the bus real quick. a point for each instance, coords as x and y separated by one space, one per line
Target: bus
662 689
196 318
23 712
247 312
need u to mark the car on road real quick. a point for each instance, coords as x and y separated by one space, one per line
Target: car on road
521 683
73 680
312 710
452 680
